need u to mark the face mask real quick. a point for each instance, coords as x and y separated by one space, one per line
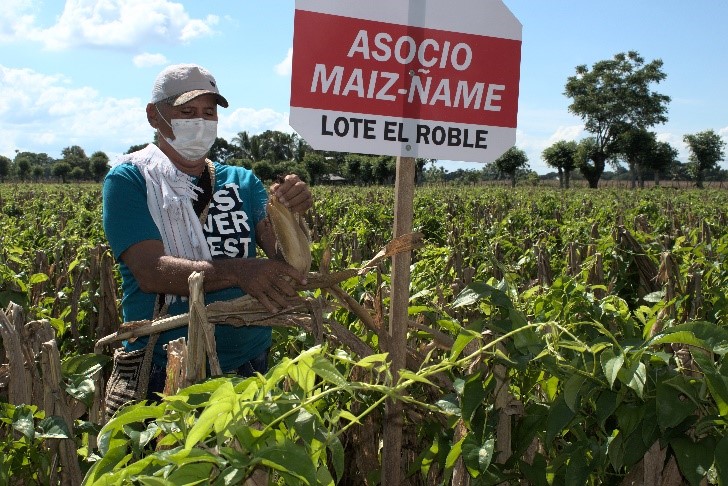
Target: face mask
193 137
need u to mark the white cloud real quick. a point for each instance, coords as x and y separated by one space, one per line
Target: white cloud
252 121
568 133
16 17
285 67
198 28
147 59
105 23
43 113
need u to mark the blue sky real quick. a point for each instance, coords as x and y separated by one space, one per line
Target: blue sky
79 72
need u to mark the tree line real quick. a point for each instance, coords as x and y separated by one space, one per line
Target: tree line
614 98
269 154
618 106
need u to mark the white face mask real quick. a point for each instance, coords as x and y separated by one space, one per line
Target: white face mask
193 137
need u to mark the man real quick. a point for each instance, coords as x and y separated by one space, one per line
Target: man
169 212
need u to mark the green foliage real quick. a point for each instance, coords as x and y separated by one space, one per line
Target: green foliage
597 371
706 150
613 96
288 421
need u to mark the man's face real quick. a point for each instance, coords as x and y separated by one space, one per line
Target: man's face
204 106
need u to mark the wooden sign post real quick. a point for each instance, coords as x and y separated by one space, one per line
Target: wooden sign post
398 315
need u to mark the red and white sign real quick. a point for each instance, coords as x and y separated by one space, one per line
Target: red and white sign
413 78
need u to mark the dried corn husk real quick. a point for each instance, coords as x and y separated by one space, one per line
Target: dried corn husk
292 235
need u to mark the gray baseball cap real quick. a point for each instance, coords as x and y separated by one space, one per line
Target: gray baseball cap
185 82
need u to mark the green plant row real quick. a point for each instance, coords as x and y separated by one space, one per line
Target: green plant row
603 374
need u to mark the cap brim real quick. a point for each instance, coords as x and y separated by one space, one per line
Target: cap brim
191 95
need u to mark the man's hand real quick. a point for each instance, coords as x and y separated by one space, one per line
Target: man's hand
269 282
293 193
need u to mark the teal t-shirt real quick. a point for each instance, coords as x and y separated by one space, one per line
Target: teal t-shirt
237 205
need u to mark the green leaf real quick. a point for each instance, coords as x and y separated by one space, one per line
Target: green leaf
717 383
373 360
463 339
606 404
526 338
448 407
82 388
699 333
721 460
673 404
634 377
180 457
472 398
345 414
611 365
191 474
337 454
37 278
327 371
409 375
577 469
152 481
84 364
571 391
305 425
136 412
477 291
454 453
204 424
560 415
23 421
291 459
693 458
53 427
476 457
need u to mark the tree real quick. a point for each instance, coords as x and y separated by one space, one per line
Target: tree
4 167
264 170
316 166
274 145
384 169
586 151
636 145
222 151
61 169
37 172
612 97
664 156
22 167
301 149
706 150
77 174
76 157
561 155
32 159
352 167
510 162
433 173
136 148
99 165
243 141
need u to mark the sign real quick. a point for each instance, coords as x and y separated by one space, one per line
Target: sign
412 78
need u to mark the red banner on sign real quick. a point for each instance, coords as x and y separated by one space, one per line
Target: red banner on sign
360 66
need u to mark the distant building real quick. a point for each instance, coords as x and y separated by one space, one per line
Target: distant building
332 179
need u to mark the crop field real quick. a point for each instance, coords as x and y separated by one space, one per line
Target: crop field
554 338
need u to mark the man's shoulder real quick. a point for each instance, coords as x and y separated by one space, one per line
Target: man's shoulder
125 171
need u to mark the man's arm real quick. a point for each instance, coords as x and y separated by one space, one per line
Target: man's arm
262 278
